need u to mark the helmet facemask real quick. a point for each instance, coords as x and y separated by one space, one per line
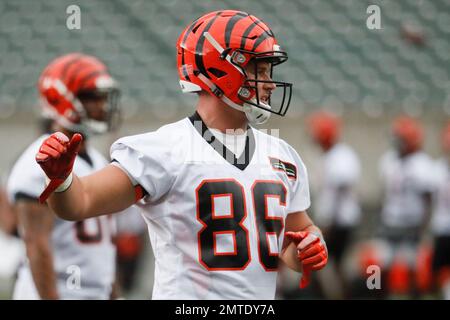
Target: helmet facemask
279 98
99 112
256 110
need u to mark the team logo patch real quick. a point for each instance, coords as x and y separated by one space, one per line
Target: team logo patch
287 167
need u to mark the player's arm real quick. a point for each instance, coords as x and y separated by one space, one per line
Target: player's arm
428 209
8 219
106 191
115 290
36 223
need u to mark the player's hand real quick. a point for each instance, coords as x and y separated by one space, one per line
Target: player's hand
56 157
311 252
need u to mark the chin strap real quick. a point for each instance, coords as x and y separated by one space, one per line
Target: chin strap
254 114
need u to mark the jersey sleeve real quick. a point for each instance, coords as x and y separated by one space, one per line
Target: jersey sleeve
300 198
146 159
424 173
26 179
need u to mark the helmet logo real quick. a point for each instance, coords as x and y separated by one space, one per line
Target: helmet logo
244 93
238 58
104 82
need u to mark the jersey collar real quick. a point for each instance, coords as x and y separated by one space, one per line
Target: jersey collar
243 161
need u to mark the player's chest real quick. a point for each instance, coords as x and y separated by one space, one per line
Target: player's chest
400 177
235 215
251 186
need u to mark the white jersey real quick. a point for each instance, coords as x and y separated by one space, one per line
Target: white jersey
216 223
336 201
82 251
405 181
130 221
440 222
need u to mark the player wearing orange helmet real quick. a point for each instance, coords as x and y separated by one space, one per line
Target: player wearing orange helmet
440 223
407 134
324 128
408 184
337 210
66 260
217 194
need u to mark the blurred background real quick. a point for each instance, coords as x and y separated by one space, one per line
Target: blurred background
337 64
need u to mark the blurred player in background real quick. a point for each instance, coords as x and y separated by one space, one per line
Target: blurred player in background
336 210
11 247
66 260
217 194
440 223
406 172
130 243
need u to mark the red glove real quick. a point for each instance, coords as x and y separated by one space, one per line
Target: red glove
312 253
56 157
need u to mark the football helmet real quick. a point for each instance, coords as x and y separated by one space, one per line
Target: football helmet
70 80
407 133
324 128
213 52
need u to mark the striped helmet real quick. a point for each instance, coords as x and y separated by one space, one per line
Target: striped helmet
66 81
213 52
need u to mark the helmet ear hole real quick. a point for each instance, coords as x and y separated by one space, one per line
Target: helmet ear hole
217 73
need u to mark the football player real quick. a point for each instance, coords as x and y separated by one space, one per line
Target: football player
440 223
337 211
217 194
66 260
406 172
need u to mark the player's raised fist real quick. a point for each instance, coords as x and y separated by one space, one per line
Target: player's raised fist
56 157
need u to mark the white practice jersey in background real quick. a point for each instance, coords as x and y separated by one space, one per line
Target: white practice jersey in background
440 222
216 228
336 202
405 181
83 251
